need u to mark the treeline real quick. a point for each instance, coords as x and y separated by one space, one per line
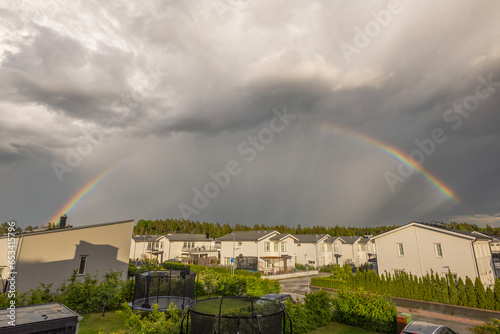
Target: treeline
215 230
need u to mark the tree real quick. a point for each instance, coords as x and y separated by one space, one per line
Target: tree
471 293
452 289
106 292
481 295
462 293
490 299
496 290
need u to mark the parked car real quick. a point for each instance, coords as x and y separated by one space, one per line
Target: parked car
280 297
422 327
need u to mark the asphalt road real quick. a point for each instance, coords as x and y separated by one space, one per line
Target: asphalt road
297 288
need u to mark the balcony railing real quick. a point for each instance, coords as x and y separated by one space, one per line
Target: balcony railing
200 249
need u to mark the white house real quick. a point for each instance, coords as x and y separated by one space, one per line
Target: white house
313 250
148 247
418 248
178 246
51 256
272 251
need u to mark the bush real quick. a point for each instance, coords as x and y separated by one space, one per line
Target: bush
492 327
152 322
365 310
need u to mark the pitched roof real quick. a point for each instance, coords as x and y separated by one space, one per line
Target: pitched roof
187 237
281 236
438 228
310 238
146 238
248 235
57 230
350 240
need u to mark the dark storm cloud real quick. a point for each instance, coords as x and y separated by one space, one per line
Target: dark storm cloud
144 78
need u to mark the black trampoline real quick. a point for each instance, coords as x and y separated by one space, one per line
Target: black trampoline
232 315
163 288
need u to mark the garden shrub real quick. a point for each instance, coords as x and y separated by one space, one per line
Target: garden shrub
365 310
492 327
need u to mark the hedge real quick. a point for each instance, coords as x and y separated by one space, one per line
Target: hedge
430 287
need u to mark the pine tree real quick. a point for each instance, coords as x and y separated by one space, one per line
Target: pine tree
481 295
496 291
471 293
490 299
453 289
445 293
462 293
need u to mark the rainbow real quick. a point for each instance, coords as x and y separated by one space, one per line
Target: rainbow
79 195
396 153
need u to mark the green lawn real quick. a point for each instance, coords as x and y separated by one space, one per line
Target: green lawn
91 323
336 328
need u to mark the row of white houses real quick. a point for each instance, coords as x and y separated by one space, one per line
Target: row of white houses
269 251
416 248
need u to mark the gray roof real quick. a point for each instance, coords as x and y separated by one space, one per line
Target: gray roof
57 230
331 240
350 240
247 235
309 238
468 235
281 236
187 237
146 238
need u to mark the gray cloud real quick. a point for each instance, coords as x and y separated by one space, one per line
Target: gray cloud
172 89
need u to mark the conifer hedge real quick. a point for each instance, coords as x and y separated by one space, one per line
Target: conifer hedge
430 287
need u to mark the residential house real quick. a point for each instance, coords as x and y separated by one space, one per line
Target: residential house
273 251
192 248
418 248
174 246
51 256
495 250
313 250
149 247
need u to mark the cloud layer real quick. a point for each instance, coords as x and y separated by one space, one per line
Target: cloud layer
176 91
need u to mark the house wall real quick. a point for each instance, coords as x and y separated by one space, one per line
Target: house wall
302 250
50 257
420 253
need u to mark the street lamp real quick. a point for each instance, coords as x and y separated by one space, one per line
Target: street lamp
232 268
307 269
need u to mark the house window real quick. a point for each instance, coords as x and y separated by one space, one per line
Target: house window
267 247
283 246
298 245
323 261
275 246
363 248
227 261
335 248
240 243
329 247
401 251
83 265
398 272
439 250
322 247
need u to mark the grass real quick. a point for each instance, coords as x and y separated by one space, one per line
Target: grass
336 328
92 322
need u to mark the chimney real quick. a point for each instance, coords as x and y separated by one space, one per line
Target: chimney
208 236
62 221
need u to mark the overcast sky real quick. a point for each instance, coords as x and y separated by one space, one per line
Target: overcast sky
250 112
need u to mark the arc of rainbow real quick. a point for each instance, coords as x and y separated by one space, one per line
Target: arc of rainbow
80 194
399 155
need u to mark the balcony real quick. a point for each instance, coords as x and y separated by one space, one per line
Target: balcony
199 249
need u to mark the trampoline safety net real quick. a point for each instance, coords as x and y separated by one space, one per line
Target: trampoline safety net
231 315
